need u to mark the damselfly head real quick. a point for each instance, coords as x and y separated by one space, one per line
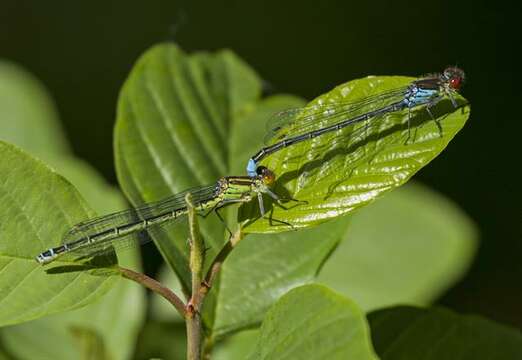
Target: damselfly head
45 257
454 77
266 175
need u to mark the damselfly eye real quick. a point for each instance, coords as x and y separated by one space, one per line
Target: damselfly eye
454 77
455 83
267 175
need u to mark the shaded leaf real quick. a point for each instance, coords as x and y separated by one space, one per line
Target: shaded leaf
337 173
418 334
4 356
261 269
101 196
312 322
160 340
31 195
28 119
115 320
90 343
236 346
407 247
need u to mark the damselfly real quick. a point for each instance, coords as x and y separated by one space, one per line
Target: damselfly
298 125
107 233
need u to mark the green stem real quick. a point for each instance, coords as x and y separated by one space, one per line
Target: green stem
193 313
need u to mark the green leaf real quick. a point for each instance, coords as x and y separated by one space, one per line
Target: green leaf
174 113
28 119
74 343
312 322
28 116
31 195
236 346
123 304
403 333
101 196
37 129
115 320
248 131
4 356
177 123
408 247
91 343
337 174
262 268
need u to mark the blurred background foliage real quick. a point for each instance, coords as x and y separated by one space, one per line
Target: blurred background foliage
82 51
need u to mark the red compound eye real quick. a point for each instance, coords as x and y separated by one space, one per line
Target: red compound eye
455 83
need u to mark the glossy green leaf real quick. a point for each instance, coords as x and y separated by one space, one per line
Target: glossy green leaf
174 114
262 268
31 195
407 247
404 333
338 173
180 123
28 116
312 322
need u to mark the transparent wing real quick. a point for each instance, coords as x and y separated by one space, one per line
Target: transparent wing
354 143
297 121
76 237
108 248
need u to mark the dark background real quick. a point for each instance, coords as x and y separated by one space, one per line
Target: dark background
83 51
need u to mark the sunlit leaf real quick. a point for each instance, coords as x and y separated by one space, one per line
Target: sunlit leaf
338 172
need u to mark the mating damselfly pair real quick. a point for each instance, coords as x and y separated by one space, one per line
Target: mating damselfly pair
110 232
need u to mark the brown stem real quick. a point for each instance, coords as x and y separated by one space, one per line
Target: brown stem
194 338
155 286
